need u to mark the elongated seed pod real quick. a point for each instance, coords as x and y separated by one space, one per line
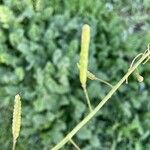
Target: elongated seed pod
90 75
16 123
85 41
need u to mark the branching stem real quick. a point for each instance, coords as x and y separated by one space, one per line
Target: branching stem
100 105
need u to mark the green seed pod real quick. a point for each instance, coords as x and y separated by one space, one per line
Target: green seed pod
85 41
91 76
16 118
140 78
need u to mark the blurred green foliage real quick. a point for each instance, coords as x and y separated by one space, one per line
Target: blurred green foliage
39 49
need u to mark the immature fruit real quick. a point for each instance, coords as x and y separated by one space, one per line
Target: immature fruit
85 41
16 118
140 78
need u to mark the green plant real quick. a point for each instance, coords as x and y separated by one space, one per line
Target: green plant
16 123
83 77
39 49
144 58
83 62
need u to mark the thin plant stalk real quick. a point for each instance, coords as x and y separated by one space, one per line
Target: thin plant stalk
87 98
85 89
74 144
93 77
100 105
14 144
103 81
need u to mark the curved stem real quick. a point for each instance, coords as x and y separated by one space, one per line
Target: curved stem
93 77
135 59
103 81
100 105
133 62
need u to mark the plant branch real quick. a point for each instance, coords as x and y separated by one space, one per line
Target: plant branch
100 105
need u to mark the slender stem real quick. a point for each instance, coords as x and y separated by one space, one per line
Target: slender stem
75 145
14 144
101 80
146 60
135 59
87 98
99 106
133 63
93 77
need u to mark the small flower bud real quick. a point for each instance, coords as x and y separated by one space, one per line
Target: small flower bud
140 78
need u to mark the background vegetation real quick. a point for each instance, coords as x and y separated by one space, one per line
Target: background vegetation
39 49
